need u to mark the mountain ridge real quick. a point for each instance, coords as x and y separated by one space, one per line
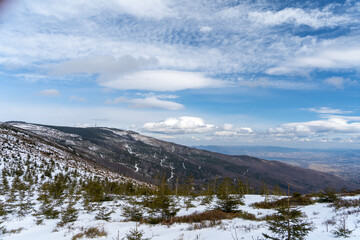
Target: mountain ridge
144 158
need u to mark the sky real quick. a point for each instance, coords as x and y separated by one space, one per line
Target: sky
207 72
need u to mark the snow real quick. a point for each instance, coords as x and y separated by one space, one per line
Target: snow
45 131
128 148
183 164
162 161
171 173
117 132
244 229
144 139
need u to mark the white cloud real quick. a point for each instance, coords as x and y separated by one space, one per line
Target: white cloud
205 29
339 82
160 80
149 102
42 33
182 125
327 110
49 92
313 18
336 54
228 130
195 125
69 115
330 125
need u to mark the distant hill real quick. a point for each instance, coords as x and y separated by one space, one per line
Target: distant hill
145 158
344 163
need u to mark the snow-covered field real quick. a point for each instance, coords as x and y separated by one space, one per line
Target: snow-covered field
317 213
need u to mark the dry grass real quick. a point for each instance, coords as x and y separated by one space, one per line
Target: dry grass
346 203
294 201
92 232
212 215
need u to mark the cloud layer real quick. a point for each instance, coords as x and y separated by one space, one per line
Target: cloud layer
161 80
151 101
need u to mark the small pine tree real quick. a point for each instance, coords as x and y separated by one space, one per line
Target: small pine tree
2 209
277 191
135 234
342 231
207 195
69 214
5 184
287 224
103 214
94 191
328 195
47 208
227 202
132 212
161 207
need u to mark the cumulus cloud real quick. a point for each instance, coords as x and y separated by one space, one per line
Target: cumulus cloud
153 101
161 80
339 82
330 125
327 110
313 18
228 130
49 93
182 125
195 125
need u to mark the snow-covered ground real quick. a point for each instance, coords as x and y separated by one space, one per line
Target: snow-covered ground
317 213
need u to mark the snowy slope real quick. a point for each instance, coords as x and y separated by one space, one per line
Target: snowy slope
17 148
318 214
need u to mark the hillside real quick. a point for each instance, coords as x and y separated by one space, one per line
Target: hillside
144 158
344 163
51 191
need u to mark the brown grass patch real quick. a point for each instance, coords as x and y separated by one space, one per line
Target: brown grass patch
212 215
92 232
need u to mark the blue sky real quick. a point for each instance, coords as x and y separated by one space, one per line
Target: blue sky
193 72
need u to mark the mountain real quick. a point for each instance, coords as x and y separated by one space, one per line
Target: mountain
144 158
344 163
25 153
